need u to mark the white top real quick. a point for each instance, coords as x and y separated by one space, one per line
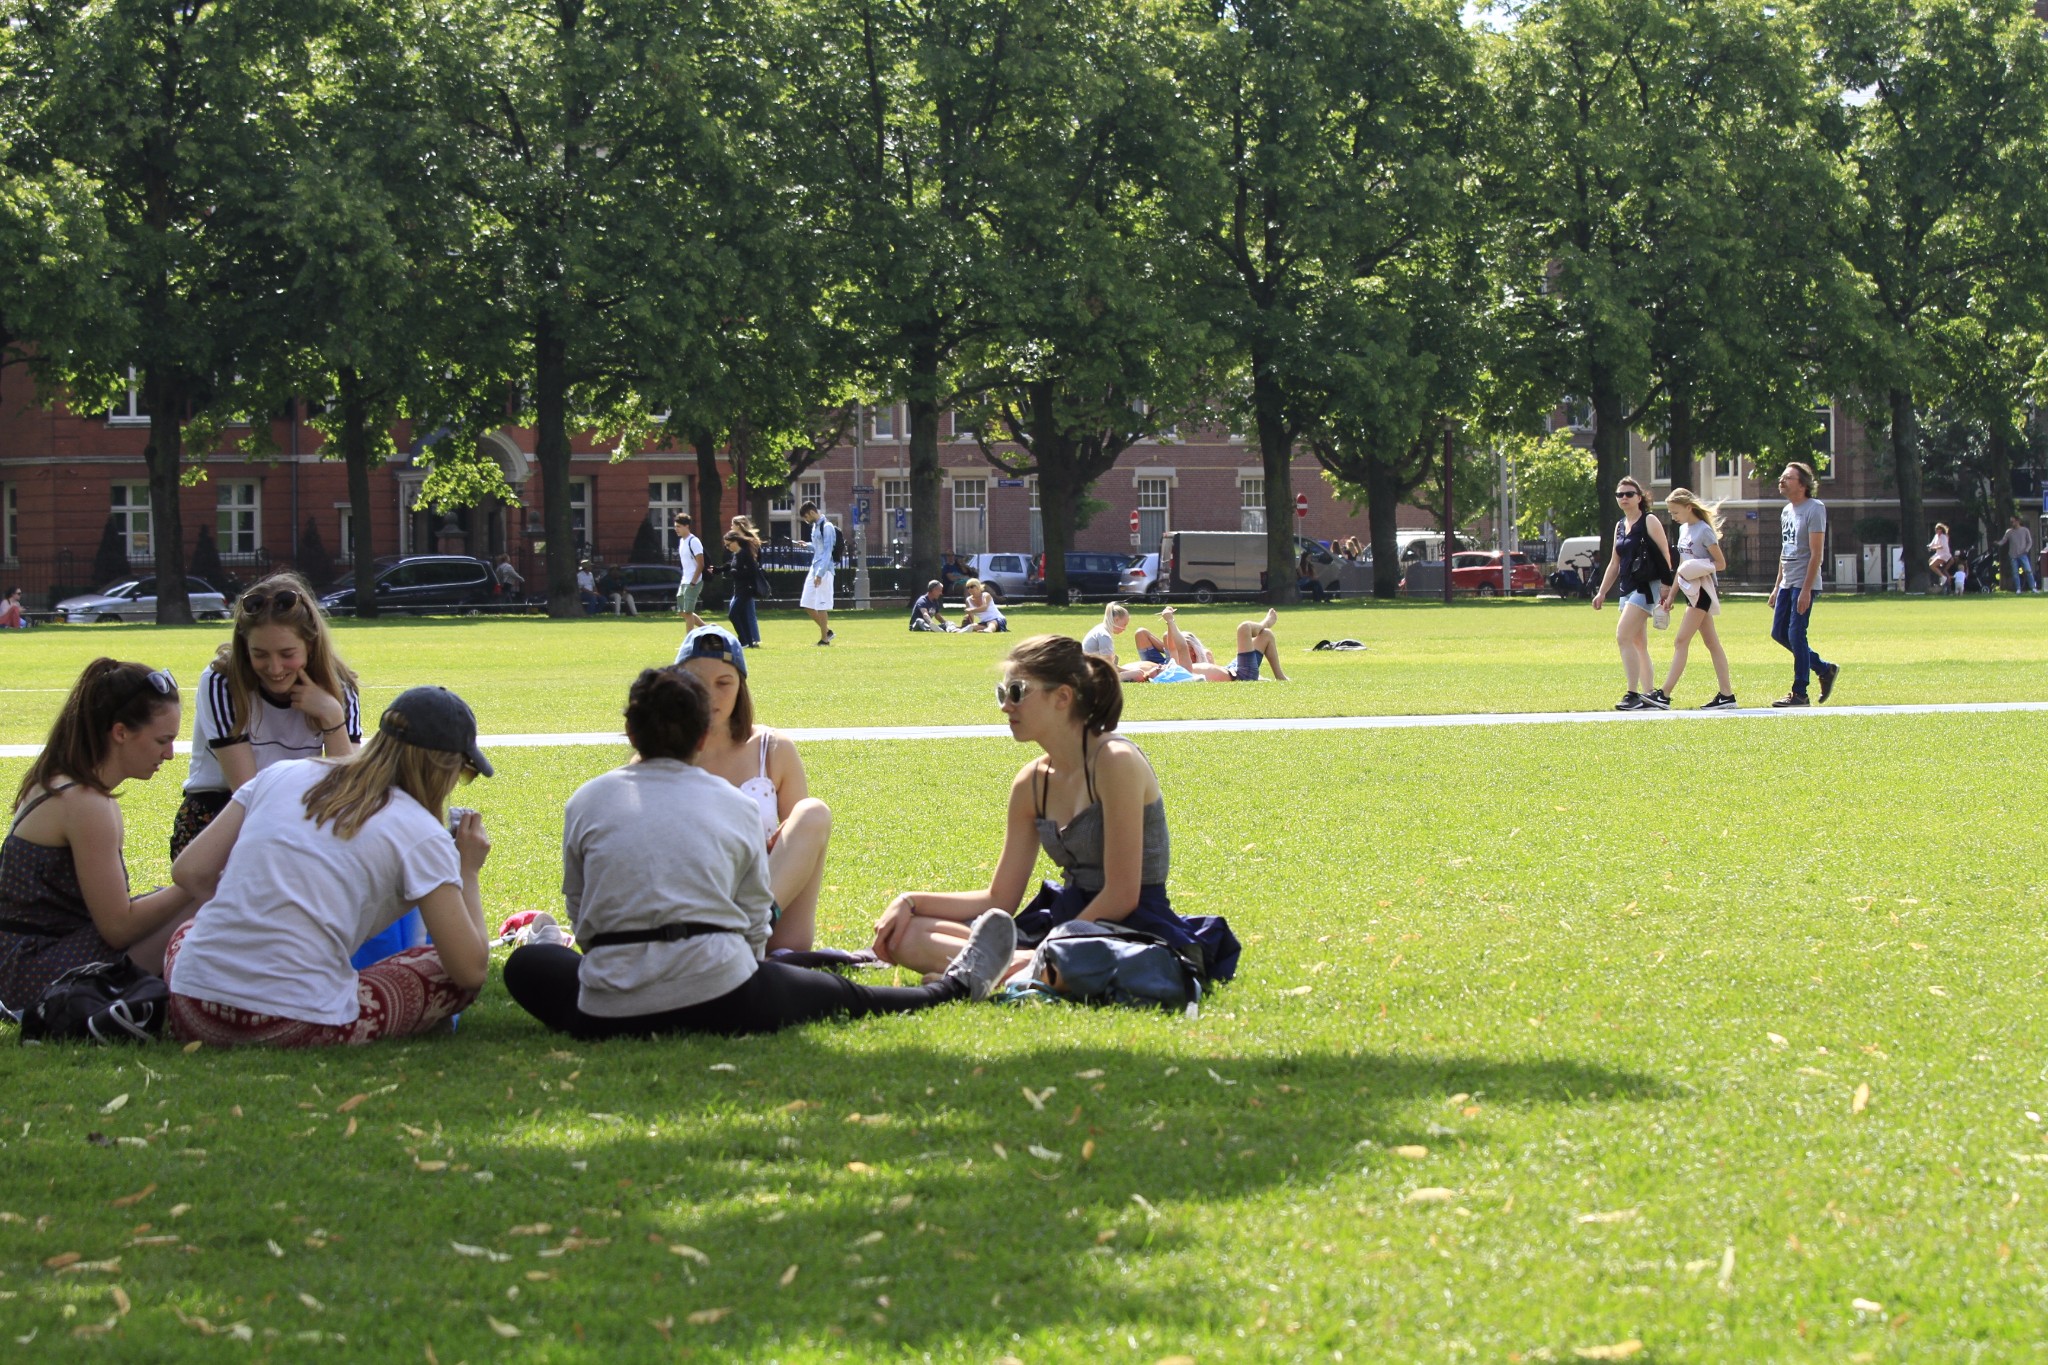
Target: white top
988 611
1940 544
586 581
655 843
296 901
276 733
1696 540
1099 642
762 789
689 554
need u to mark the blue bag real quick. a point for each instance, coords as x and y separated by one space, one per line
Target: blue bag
1103 963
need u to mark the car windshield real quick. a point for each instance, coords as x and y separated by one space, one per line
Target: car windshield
120 587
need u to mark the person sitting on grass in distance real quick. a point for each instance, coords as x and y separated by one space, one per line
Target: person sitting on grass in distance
1091 802
12 617
612 588
1100 642
982 612
314 857
666 884
64 894
277 690
586 588
796 827
926 612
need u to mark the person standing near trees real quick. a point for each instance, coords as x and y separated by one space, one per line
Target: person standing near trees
1640 545
2018 544
1802 537
817 594
690 557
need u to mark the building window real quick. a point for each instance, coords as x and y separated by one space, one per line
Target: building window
10 522
1824 441
1152 509
239 519
970 516
1725 465
1037 522
345 547
130 410
130 507
783 522
579 514
896 510
1251 501
665 498
1660 462
882 423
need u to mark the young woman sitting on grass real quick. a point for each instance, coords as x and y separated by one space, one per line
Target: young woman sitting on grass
276 690
326 854
667 887
982 611
1091 801
64 895
796 827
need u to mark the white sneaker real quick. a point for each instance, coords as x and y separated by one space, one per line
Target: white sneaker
543 929
990 945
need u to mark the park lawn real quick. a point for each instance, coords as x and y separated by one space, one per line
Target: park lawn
1545 1038
534 676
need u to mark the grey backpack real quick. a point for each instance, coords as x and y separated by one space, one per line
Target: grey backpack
1101 963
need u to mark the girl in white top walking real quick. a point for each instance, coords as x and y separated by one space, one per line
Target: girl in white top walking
796 826
1699 559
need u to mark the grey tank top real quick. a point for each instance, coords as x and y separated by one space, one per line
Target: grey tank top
1077 847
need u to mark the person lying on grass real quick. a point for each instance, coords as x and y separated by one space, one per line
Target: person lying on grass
1256 642
326 854
765 766
64 895
1091 801
666 883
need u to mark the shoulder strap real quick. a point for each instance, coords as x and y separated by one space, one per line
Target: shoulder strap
30 808
1088 768
767 738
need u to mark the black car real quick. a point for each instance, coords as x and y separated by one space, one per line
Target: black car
1092 573
653 586
421 583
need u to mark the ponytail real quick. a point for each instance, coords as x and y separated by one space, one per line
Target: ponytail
1059 661
1113 613
107 693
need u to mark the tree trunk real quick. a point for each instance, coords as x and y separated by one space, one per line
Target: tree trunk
164 455
925 534
1680 440
355 453
1276 455
710 490
1610 452
1383 492
1057 493
1907 475
551 453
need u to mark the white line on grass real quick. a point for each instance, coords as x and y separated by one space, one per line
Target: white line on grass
600 739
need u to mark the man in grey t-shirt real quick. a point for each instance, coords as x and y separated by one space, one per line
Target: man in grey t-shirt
1802 535
2018 544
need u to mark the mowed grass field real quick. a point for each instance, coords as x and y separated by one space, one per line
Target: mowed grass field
1719 1038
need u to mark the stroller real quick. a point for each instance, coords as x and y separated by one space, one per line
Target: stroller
1980 570
1566 582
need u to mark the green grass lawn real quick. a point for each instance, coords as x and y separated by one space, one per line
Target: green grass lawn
1545 1039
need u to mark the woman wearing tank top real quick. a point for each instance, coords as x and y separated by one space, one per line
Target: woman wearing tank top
1091 802
796 826
1638 541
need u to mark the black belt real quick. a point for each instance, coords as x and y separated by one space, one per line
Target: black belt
667 933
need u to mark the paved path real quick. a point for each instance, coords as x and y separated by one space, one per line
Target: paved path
587 739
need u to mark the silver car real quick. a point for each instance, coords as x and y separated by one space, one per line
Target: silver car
1007 576
134 599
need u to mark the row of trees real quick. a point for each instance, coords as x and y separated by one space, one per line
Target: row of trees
1342 225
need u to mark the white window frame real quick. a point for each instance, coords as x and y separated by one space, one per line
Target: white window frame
1251 502
1727 466
665 498
884 423
1831 433
132 413
782 508
1037 518
10 522
1660 462
344 547
580 492
237 518
1155 509
895 497
129 502
970 501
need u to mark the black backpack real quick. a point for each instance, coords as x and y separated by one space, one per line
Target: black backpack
100 1002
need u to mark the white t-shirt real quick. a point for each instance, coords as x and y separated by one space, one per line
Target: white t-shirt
295 902
1696 540
1099 642
276 733
689 553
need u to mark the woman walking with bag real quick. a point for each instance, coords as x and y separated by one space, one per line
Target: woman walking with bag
1640 564
743 568
64 894
1699 559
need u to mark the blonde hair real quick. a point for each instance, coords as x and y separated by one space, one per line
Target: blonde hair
1708 512
357 787
324 666
1112 614
971 585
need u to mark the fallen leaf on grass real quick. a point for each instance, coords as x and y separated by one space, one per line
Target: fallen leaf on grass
1936 990
95 1329
1429 1194
1088 1150
788 1278
193 1046
1610 1216
1777 1040
901 1202
1044 1153
1860 1101
796 1106
430 1166
1037 1098
351 1102
538 1275
688 1253
465 1249
860 1168
198 1324
62 1259
311 1302
503 1329
121 1303
112 1267
115 1103
1866 1306
530 1230
1298 990
704 1317
1093 1073
180 1210
1411 1151
275 1249
129 1201
1620 1350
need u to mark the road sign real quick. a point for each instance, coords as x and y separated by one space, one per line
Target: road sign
902 519
1134 524
863 488
1134 537
1009 483
1301 504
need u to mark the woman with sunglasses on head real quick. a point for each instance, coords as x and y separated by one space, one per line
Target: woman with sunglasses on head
796 827
1090 801
666 884
277 690
743 570
64 895
1640 565
327 854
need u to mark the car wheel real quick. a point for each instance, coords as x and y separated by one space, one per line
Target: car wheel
1205 592
995 593
1487 590
107 617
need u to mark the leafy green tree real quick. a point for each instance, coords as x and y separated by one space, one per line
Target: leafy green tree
1555 481
167 110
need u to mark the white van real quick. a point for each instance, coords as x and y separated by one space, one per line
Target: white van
1581 553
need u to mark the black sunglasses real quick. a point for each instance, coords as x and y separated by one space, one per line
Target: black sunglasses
1627 493
256 603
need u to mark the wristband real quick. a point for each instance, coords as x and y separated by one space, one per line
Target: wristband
340 724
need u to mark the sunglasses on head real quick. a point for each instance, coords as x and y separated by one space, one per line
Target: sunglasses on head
256 603
161 680
1012 691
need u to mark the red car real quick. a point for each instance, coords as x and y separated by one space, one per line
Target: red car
1478 571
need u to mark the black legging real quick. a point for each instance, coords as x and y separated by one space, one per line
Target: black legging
542 978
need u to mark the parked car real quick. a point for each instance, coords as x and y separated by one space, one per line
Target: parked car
1006 575
653 586
1417 545
134 599
1141 576
1479 571
1091 573
421 583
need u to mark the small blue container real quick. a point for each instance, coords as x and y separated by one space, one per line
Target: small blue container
407 931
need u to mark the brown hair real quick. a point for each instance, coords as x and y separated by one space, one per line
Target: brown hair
1804 473
107 693
357 787
668 712
743 527
324 667
1059 661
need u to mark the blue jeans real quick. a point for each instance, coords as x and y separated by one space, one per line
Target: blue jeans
2023 574
744 623
1788 628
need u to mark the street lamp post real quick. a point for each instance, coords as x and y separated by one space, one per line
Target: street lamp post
861 509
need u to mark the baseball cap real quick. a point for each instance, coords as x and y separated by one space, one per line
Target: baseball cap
435 718
710 642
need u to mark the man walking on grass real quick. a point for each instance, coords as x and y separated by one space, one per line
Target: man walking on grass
817 593
1802 533
690 555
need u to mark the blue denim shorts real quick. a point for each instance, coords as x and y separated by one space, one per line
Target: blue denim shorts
1638 598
